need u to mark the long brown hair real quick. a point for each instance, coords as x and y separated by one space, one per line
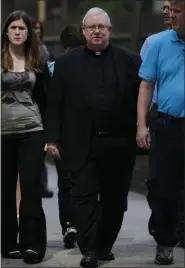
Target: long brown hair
33 53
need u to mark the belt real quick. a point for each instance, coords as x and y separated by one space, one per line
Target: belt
170 117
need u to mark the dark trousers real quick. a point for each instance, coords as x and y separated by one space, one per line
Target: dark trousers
180 227
23 152
64 197
44 179
99 193
169 144
151 183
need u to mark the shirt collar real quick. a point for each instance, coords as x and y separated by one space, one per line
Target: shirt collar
98 53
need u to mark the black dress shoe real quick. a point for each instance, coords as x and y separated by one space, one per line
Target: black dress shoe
30 256
106 256
13 254
89 260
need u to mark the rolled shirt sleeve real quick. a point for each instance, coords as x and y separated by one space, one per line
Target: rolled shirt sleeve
148 69
145 46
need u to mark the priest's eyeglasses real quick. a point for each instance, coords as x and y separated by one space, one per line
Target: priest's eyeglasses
92 28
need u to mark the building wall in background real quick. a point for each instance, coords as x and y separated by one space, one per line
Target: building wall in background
123 20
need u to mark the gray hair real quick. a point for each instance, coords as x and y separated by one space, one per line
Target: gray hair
94 12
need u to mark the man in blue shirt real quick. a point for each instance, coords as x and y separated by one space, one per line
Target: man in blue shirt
166 18
164 64
151 182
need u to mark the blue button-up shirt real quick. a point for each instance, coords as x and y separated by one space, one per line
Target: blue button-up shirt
143 52
164 64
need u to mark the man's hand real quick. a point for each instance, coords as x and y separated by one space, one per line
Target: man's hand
143 137
52 149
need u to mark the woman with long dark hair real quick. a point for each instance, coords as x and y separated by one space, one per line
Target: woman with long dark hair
24 81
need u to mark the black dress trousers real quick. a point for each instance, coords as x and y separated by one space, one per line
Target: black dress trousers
99 193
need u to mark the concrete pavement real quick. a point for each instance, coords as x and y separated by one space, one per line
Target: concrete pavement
134 247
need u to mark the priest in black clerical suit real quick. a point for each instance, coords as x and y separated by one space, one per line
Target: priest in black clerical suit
91 125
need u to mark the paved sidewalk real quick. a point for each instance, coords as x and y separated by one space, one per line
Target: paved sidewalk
134 247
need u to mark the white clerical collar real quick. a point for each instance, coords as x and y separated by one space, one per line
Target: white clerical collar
97 53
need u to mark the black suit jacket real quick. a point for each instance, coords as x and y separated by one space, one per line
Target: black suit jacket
69 122
41 89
